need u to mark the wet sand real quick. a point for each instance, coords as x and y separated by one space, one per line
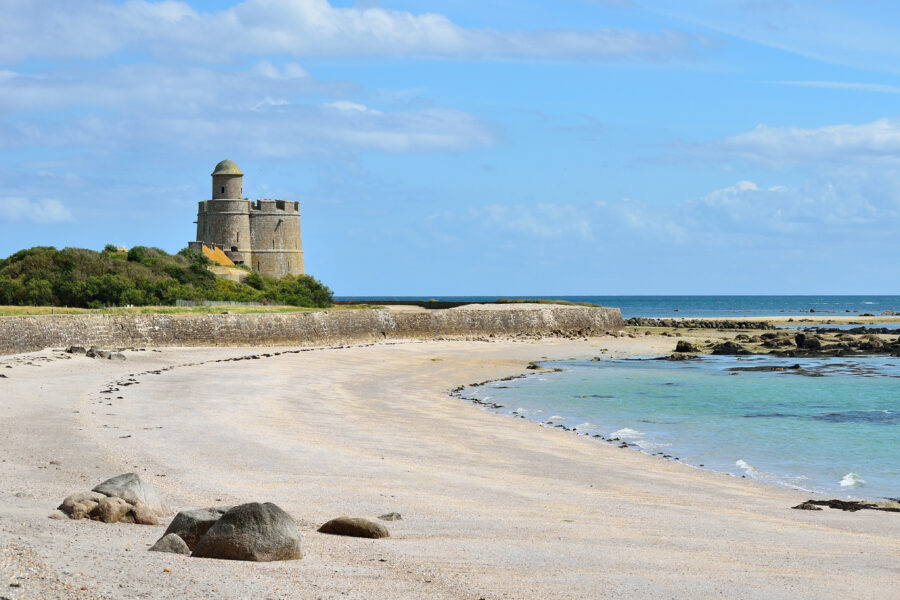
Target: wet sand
493 507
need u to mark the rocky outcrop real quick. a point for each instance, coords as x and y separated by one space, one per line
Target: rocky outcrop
729 348
355 527
698 323
123 499
683 346
133 490
252 532
29 333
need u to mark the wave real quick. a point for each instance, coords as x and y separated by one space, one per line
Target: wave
627 433
796 481
852 480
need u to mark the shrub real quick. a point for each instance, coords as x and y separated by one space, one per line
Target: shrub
149 276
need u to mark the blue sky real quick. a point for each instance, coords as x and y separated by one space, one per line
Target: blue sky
528 147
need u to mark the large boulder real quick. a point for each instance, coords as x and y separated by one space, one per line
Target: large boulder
255 532
355 527
191 525
133 490
170 542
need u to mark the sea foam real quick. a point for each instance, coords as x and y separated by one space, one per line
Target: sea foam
852 480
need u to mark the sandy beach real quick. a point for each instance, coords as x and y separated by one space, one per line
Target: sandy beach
493 507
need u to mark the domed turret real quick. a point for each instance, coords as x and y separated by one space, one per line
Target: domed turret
227 167
227 181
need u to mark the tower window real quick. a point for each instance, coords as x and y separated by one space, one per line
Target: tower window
273 244
223 189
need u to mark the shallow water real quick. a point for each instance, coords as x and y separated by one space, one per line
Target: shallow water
827 425
706 306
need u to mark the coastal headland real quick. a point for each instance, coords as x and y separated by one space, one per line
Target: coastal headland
492 507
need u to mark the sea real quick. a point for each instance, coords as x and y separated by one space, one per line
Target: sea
823 425
701 306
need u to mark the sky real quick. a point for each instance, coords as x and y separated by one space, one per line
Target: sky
462 147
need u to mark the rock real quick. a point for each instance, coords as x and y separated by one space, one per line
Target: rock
143 514
806 506
191 525
76 350
110 510
96 353
116 356
131 488
170 542
355 527
78 506
255 532
729 349
391 516
683 346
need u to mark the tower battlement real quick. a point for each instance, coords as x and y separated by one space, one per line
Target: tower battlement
263 234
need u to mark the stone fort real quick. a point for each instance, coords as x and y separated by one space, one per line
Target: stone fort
263 235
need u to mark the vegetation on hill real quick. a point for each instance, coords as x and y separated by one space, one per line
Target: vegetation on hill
45 276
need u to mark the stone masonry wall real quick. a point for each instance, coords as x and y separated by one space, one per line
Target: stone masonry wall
27 334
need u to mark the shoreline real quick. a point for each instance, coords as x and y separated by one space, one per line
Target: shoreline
491 506
535 370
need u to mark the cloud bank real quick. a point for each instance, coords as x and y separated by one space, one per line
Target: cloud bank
298 28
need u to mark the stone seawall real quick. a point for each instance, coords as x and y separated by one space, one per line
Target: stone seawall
27 334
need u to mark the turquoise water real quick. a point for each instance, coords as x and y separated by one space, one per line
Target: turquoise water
831 426
704 306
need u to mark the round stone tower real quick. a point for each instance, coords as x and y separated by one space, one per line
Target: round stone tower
224 221
264 235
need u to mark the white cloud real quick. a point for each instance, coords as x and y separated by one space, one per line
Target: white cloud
877 142
262 109
17 209
744 215
545 220
300 28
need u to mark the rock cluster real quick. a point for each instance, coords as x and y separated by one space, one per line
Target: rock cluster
252 532
123 499
95 353
697 323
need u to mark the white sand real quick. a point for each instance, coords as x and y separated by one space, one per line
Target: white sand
493 507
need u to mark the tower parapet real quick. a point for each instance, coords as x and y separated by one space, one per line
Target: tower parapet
264 235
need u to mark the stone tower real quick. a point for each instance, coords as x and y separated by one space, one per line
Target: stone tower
264 235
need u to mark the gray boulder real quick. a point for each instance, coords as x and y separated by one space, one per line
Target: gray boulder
170 542
255 532
133 490
355 527
391 516
191 525
116 356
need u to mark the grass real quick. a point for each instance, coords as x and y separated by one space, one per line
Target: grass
12 311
